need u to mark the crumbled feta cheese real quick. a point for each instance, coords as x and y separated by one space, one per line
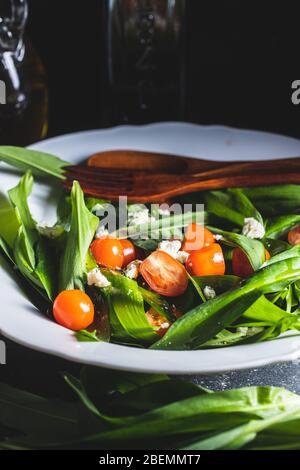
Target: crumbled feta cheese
139 217
101 231
243 330
217 237
252 228
182 256
255 329
163 211
209 292
132 269
249 331
165 325
96 278
171 247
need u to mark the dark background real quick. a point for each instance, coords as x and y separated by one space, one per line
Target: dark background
240 60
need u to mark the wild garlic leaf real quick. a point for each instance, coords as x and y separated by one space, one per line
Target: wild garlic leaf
33 256
126 303
39 163
275 200
232 205
83 225
203 322
254 249
277 227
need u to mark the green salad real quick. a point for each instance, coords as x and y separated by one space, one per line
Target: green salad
225 274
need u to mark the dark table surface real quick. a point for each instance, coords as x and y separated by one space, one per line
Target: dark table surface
41 373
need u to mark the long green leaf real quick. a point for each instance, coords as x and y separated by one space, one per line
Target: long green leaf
77 241
32 255
254 249
232 205
39 163
205 321
127 304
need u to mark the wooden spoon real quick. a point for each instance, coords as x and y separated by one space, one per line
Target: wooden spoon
137 160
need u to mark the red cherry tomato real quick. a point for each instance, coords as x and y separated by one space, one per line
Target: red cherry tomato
241 265
129 252
294 236
108 252
206 262
164 274
73 309
158 321
197 237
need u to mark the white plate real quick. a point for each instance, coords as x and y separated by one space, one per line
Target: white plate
20 322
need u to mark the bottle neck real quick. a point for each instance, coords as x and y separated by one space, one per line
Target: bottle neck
12 51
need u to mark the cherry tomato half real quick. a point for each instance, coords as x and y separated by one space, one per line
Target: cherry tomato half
73 309
108 252
197 237
129 252
241 265
206 262
294 236
158 321
164 274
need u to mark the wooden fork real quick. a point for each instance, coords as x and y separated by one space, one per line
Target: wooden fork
106 175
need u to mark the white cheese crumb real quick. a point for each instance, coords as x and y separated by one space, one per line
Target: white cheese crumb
209 292
139 217
101 231
165 325
217 237
252 228
171 247
132 269
249 331
163 211
182 256
96 278
243 330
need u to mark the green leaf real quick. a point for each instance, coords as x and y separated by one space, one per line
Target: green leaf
203 322
205 413
293 252
126 303
39 163
95 204
10 223
279 199
87 336
162 228
277 227
158 303
34 415
232 205
122 409
275 246
197 288
219 283
83 226
254 249
33 256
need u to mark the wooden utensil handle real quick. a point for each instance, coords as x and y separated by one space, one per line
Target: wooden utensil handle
241 181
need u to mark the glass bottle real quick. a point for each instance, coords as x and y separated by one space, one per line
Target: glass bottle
24 103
